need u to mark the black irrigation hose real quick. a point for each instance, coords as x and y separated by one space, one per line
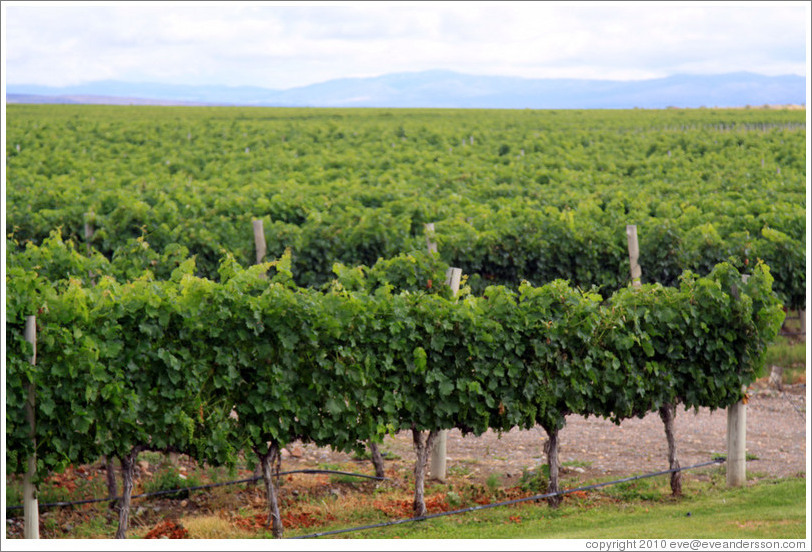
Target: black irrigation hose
507 503
208 486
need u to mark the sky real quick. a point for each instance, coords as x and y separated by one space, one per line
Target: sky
282 45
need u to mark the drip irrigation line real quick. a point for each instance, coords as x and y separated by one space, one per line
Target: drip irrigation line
199 487
509 502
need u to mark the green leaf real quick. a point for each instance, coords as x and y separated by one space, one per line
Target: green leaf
446 388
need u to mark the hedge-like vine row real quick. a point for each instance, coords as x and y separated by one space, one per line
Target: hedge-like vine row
252 361
535 195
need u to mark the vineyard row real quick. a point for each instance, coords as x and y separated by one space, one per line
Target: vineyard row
253 362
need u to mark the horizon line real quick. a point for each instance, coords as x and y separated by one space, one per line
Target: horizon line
382 75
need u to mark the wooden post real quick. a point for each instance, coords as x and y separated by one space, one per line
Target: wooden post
668 411
30 503
737 432
634 253
430 243
736 444
439 451
802 318
259 244
259 240
88 230
453 276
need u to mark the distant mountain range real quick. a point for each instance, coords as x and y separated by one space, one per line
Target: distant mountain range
446 89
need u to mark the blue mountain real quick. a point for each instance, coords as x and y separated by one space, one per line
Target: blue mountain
447 89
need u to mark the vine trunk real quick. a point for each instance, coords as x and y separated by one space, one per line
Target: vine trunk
377 459
422 448
551 448
127 477
266 461
668 413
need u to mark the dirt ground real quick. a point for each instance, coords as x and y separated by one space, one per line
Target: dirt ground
776 443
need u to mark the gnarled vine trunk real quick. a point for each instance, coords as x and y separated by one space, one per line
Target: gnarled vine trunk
422 448
377 459
551 449
668 413
266 461
127 476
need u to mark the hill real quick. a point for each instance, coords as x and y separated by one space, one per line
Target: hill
446 89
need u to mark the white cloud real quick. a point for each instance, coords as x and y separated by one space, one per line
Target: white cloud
282 46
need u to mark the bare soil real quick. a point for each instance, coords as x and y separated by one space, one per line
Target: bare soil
594 447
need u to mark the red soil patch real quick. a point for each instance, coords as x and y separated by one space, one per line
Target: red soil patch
290 520
168 530
404 508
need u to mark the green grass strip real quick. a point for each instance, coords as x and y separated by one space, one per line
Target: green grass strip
770 509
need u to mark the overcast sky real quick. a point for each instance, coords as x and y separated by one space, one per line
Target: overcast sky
283 45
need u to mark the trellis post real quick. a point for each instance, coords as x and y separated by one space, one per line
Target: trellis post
634 254
261 250
439 451
88 230
668 411
736 444
259 240
737 433
431 245
30 503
